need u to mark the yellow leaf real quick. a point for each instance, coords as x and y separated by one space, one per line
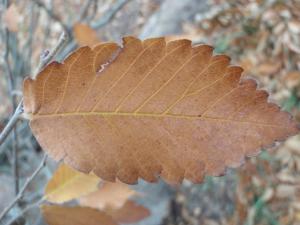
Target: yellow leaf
151 108
67 184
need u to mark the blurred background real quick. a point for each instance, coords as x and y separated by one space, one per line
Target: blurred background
263 36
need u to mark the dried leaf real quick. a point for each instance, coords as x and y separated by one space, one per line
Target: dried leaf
85 35
156 108
113 198
130 213
67 184
292 79
268 68
61 215
109 195
11 18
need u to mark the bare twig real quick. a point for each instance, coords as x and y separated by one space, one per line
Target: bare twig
53 16
45 60
84 10
23 189
104 20
14 104
15 169
11 123
34 205
110 14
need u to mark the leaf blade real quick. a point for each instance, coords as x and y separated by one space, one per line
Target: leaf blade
67 184
175 116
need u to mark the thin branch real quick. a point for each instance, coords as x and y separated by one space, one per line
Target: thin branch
84 10
110 14
43 62
53 16
11 82
23 189
46 59
15 155
11 123
36 204
104 20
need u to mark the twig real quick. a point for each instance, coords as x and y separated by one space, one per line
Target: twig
110 14
23 189
11 123
15 155
92 15
14 104
53 16
104 20
45 60
84 10
36 204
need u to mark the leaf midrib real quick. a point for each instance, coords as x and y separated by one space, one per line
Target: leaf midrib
153 115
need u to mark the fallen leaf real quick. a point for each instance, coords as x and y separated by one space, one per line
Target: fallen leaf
154 108
285 191
294 26
61 215
11 18
109 195
292 79
85 35
67 184
268 68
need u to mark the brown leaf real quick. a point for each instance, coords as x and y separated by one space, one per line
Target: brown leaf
85 35
155 108
109 195
113 198
61 215
130 213
292 79
269 68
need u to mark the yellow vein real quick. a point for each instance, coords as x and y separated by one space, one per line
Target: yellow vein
218 100
122 75
241 107
191 83
94 79
67 82
150 115
145 77
208 86
44 85
188 60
